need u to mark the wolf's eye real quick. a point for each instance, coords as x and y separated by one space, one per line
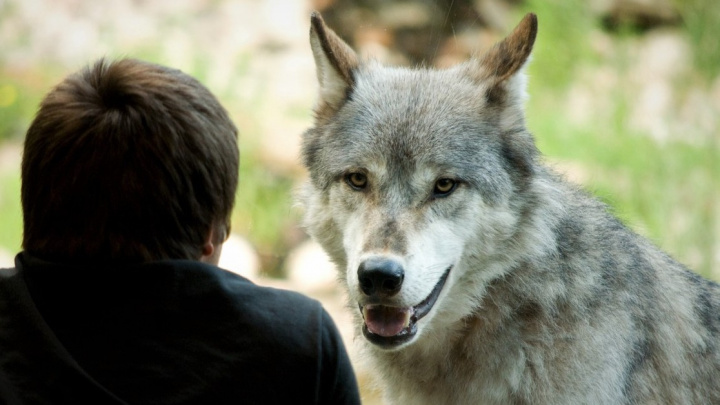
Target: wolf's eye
357 181
444 187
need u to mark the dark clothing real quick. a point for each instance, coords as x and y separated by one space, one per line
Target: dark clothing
171 332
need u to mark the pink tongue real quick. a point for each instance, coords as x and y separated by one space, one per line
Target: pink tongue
385 321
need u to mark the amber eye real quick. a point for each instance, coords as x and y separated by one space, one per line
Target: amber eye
358 181
444 187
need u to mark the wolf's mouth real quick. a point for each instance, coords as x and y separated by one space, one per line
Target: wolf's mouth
390 326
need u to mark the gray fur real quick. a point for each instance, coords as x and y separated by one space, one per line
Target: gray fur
550 299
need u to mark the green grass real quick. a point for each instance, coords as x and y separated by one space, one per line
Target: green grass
18 102
10 213
562 42
666 191
263 209
702 25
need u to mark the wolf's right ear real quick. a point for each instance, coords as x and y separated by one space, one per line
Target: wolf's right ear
335 62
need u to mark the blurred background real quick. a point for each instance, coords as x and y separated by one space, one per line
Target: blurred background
625 100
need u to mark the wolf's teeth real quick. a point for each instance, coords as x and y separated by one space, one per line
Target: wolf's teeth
407 313
407 318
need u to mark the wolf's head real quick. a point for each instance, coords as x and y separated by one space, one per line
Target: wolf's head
417 179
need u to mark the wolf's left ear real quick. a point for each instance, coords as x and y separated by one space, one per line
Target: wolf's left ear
503 61
335 62
500 73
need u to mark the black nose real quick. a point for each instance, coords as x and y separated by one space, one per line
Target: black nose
380 277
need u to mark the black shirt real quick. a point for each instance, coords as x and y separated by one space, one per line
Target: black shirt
171 332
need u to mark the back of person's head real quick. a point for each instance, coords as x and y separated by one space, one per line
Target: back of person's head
127 161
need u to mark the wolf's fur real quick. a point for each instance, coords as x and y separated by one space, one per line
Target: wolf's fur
549 299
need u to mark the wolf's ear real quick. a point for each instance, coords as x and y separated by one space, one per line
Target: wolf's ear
506 58
335 62
500 73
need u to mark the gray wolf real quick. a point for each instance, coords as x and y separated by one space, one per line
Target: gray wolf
475 274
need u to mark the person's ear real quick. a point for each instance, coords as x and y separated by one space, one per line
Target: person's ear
213 245
209 247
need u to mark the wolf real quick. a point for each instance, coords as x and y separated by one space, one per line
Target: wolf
474 272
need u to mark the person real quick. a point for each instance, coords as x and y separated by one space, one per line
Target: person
129 175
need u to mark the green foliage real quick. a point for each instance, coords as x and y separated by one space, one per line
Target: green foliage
562 43
10 213
702 24
18 103
263 209
666 191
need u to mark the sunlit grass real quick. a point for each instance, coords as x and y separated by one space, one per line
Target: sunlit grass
10 213
666 192
263 209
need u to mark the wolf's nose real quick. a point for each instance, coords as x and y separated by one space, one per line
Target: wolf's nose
380 277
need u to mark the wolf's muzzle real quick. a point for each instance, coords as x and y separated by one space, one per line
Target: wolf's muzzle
380 277
389 326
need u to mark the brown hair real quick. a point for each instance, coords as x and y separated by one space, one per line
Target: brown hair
127 161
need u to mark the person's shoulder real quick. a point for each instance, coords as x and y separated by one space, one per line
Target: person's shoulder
6 273
247 296
271 301
235 283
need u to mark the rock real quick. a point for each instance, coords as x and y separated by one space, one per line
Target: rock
309 269
7 259
641 14
240 257
661 58
574 172
10 156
